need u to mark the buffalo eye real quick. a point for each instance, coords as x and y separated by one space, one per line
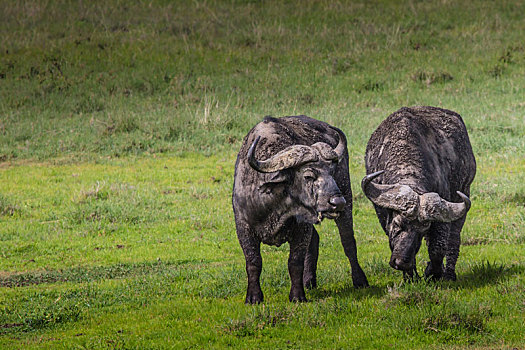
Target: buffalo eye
309 175
395 230
396 225
425 225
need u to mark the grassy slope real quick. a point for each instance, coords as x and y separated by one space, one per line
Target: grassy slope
79 80
100 248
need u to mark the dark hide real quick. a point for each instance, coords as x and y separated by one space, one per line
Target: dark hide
282 206
427 149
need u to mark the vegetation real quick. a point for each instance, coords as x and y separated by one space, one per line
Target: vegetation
119 126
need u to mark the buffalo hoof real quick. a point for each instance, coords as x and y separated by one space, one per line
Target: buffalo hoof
434 276
254 297
432 273
450 276
359 280
310 284
361 284
300 299
297 296
407 277
411 275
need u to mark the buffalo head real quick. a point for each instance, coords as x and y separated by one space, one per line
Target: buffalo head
305 174
410 215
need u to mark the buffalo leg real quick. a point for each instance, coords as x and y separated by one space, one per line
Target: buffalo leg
298 247
437 240
408 276
251 248
310 261
346 232
454 240
411 275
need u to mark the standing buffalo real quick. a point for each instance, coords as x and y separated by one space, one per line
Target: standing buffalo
423 165
291 173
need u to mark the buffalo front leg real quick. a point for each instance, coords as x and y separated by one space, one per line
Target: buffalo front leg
346 232
412 275
251 248
299 243
310 261
452 254
437 240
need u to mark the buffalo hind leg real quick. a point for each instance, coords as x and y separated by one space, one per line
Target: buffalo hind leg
454 241
299 242
251 248
346 232
310 261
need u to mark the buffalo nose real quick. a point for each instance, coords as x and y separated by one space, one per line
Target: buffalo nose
338 202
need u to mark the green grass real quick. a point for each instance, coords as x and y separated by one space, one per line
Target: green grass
142 253
119 126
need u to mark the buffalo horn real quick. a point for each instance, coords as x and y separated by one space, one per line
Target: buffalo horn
426 207
341 146
397 197
290 157
434 208
368 178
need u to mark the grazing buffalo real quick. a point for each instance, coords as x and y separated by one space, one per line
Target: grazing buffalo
290 173
420 166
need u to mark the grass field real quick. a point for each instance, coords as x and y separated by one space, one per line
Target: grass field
119 127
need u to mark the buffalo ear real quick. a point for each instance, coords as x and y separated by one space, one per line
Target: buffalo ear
274 182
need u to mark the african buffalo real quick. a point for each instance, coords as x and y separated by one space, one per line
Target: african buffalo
420 166
290 173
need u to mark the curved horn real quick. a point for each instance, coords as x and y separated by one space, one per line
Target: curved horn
434 208
466 200
397 197
341 146
290 157
368 178
426 207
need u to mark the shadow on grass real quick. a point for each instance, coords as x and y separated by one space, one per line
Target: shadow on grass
485 273
479 275
348 291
